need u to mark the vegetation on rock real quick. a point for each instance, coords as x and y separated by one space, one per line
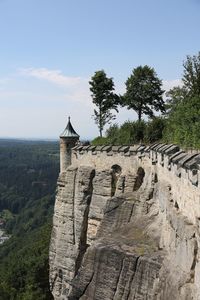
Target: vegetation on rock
133 133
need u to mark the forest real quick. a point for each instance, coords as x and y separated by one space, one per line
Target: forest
28 174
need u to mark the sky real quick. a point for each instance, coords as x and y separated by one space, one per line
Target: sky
49 50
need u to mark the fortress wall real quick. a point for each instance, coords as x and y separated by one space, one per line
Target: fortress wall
181 171
173 166
104 157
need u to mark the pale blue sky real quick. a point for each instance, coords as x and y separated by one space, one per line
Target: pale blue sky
49 49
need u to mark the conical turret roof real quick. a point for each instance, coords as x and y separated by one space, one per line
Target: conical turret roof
69 131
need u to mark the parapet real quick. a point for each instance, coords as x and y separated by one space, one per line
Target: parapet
169 156
182 163
110 149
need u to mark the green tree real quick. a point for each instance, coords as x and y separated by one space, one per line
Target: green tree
143 92
191 84
112 134
104 98
183 124
131 132
175 96
191 74
154 129
183 107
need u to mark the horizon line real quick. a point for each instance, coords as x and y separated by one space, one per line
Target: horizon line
38 138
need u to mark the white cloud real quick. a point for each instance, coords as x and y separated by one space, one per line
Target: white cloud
169 84
54 76
76 89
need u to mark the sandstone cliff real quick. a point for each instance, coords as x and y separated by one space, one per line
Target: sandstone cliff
125 231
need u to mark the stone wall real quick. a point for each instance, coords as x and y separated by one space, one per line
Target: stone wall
181 169
126 224
106 156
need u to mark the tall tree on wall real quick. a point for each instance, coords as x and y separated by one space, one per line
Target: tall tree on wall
104 98
144 92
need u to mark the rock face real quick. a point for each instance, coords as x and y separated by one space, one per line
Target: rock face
124 235
123 262
68 242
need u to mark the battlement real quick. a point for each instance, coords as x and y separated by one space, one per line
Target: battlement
111 150
170 157
181 163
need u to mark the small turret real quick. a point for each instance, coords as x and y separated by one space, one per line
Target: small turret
68 140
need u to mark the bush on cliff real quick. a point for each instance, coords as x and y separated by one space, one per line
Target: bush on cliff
99 141
126 134
154 130
133 133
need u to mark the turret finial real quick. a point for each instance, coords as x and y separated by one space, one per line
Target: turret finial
69 131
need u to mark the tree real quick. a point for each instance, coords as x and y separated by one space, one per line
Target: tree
175 96
191 74
154 129
191 84
104 99
183 107
182 126
143 92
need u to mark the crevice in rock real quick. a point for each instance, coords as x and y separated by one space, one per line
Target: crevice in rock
132 277
83 238
73 208
150 194
176 205
192 271
155 178
84 290
139 179
129 219
123 184
118 278
116 171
